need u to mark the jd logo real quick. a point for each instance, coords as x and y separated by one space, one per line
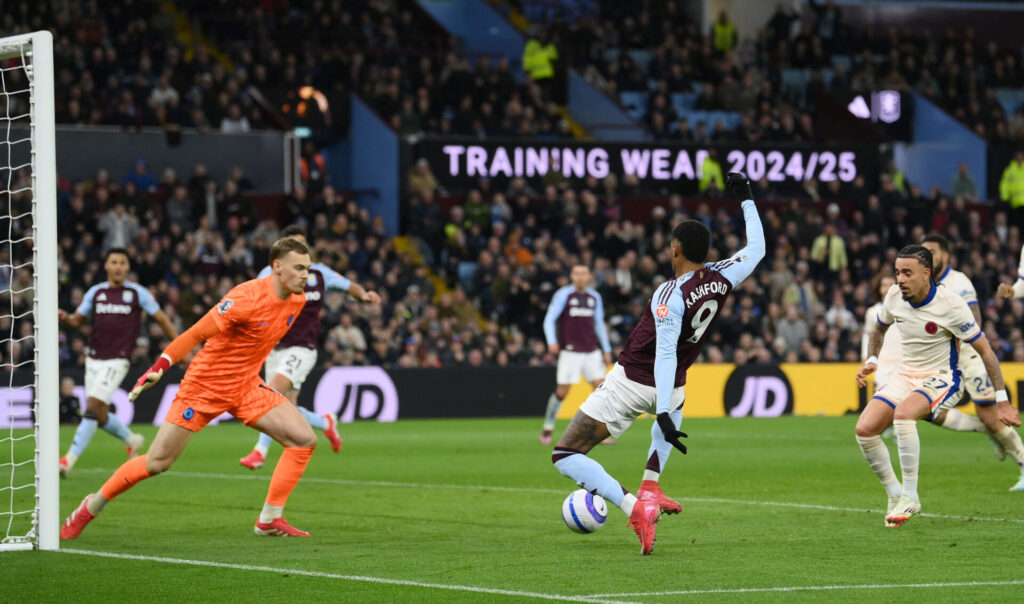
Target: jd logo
352 393
758 391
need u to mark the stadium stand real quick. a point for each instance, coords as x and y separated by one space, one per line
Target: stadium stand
473 288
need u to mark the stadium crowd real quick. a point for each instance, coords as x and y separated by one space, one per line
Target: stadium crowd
473 288
127 65
658 50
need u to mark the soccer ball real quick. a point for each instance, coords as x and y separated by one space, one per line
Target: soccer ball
584 512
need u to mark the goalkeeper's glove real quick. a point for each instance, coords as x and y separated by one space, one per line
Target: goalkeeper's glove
672 434
150 377
739 185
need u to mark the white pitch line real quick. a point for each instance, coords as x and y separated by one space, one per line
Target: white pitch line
745 590
359 578
478 487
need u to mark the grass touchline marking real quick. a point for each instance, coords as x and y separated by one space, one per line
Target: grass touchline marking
743 590
360 578
477 487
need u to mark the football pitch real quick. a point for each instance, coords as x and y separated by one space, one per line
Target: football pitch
469 511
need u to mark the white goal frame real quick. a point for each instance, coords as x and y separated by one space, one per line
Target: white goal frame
46 519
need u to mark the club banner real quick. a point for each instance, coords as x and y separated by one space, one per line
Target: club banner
461 163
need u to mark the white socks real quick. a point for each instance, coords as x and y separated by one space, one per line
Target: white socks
271 512
627 503
877 455
961 422
1010 439
909 444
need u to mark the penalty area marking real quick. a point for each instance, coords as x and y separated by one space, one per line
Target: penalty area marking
479 487
340 577
746 590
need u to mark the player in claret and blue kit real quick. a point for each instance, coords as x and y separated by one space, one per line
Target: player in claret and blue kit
115 307
651 371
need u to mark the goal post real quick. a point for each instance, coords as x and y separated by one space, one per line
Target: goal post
29 493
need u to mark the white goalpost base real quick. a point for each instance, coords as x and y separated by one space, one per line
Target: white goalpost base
32 54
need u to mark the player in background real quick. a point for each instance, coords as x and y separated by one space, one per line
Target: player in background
225 377
933 321
651 371
295 355
889 355
976 381
1017 289
115 308
575 331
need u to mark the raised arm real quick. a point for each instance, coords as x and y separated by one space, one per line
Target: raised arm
742 263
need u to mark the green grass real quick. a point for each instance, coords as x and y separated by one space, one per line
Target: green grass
476 503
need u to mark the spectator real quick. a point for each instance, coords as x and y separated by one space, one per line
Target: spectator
119 228
421 179
1011 188
792 329
963 184
234 122
139 176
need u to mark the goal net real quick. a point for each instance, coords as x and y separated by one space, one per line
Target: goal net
28 296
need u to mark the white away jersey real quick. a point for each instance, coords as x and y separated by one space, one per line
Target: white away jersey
958 284
891 350
931 331
1018 286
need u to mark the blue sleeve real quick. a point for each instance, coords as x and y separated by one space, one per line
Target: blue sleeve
742 264
555 309
599 328
264 272
332 280
85 308
667 330
146 299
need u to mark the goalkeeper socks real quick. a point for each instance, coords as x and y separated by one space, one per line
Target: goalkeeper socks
83 436
961 422
549 415
263 444
287 473
270 512
588 474
116 427
657 455
317 421
127 476
877 455
909 445
1010 439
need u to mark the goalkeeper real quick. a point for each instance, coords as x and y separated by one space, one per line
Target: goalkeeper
224 377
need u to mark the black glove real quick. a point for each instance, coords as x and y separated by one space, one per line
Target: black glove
739 185
672 434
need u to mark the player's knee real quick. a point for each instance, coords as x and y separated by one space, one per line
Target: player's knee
561 391
306 439
903 412
863 431
156 464
95 409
